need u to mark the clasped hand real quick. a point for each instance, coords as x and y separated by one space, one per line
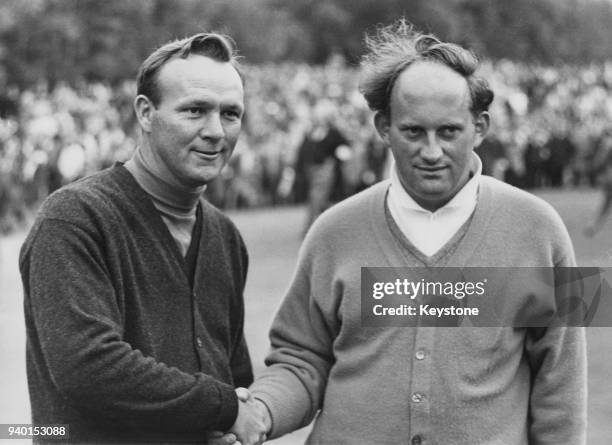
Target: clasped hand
251 426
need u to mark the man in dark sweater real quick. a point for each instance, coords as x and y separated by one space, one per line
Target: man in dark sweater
134 284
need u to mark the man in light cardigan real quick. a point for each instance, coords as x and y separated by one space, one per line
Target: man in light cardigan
426 385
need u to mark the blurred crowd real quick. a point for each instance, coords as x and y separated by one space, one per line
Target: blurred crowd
551 128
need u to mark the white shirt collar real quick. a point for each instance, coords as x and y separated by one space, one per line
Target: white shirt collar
430 231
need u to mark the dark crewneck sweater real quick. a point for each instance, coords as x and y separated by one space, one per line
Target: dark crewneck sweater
119 345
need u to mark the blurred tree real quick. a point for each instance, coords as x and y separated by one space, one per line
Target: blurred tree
113 37
106 40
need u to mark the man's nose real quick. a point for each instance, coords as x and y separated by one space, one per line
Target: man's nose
431 151
212 128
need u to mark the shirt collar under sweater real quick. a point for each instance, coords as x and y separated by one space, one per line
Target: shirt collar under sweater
430 231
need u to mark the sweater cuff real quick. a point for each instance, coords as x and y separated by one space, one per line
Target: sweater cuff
287 400
243 375
229 407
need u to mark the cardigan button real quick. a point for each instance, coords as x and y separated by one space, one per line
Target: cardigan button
416 440
199 342
417 397
420 354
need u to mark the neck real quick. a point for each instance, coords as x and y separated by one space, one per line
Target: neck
161 185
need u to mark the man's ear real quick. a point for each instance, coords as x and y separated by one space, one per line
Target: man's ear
482 124
144 110
382 123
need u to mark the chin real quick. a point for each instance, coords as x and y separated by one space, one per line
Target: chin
206 180
205 175
435 191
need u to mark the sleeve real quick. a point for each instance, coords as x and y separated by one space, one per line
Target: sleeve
558 360
301 336
78 325
240 363
558 407
242 371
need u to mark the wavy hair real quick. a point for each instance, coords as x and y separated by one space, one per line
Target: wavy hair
216 46
394 48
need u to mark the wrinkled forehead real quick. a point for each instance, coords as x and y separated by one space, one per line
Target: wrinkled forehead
199 72
424 81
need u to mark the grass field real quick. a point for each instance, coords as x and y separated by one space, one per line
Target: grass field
273 238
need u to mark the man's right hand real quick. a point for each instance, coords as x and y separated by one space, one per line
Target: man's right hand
244 395
251 423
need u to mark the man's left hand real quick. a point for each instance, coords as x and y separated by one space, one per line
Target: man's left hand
219 438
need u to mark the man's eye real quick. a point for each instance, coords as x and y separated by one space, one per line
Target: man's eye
194 110
449 132
230 114
412 132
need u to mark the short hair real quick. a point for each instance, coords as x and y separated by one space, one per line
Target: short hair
216 46
394 48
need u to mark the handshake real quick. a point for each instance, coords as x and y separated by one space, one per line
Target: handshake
251 426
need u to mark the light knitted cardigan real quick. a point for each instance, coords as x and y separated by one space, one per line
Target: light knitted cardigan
466 385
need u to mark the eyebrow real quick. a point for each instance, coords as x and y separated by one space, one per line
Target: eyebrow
207 103
234 105
448 123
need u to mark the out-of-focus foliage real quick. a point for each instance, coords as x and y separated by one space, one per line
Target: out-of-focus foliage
73 40
546 31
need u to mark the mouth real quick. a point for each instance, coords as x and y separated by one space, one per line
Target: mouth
209 155
431 169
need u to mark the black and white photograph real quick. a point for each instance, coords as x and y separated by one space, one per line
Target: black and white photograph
299 222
